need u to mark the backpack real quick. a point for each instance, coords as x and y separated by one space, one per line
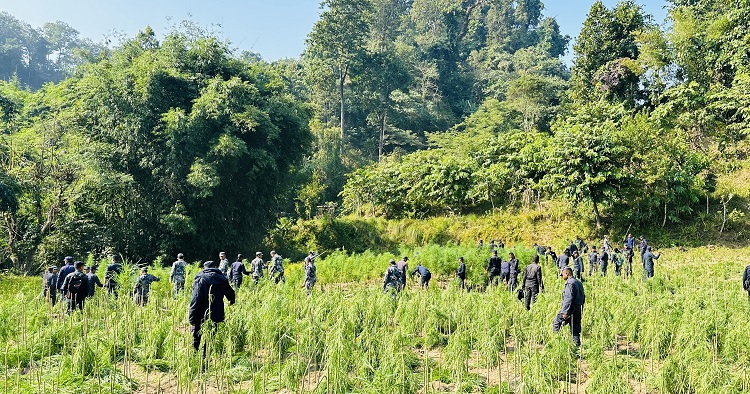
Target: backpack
75 285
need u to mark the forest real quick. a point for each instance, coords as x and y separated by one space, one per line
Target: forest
397 110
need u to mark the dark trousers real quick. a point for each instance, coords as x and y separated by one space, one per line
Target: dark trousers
237 282
574 319
75 301
50 294
604 269
648 271
529 296
494 275
199 329
629 267
512 281
578 272
462 282
112 288
593 267
424 280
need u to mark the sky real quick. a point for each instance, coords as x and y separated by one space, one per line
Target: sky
275 29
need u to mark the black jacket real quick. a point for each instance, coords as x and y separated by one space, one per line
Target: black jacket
209 284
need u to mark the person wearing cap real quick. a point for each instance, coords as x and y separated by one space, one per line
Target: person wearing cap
177 274
461 273
256 267
648 263
224 264
593 261
424 275
563 260
571 308
210 287
403 266
392 278
75 287
110 275
93 280
143 287
310 274
276 272
642 249
49 284
66 270
236 271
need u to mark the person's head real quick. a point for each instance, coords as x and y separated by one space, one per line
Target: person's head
492 241
93 268
606 237
51 268
593 248
115 258
210 264
273 253
511 256
258 254
641 237
392 262
222 255
79 265
239 257
308 260
54 268
567 272
87 269
144 270
461 259
494 252
312 253
180 256
566 251
481 241
535 259
648 248
575 253
630 235
68 260
405 258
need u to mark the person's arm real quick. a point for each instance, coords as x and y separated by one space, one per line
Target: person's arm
171 272
229 293
414 271
539 278
155 278
567 300
97 282
385 279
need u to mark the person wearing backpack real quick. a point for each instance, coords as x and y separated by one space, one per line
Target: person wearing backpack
746 281
76 287
392 278
177 274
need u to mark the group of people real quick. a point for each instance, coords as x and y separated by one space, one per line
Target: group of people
395 275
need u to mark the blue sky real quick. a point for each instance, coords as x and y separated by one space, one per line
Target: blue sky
274 28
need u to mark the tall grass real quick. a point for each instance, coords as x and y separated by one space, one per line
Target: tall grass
686 330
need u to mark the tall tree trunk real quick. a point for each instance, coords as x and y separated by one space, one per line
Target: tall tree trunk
596 214
664 222
342 79
381 140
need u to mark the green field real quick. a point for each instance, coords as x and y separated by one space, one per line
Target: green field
685 331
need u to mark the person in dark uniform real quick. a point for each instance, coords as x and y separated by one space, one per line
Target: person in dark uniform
746 281
505 272
110 275
532 282
550 254
142 287
75 287
210 287
49 285
93 280
648 263
424 275
642 249
461 272
513 271
581 245
392 278
571 309
628 252
236 271
563 260
604 261
593 261
494 269
66 270
577 266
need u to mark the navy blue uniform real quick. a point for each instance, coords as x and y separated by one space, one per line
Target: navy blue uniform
210 286
571 309
236 271
424 275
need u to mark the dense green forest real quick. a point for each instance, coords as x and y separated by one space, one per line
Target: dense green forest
397 109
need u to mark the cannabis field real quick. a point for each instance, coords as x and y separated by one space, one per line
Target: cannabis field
685 331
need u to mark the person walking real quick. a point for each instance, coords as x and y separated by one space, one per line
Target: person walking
461 273
746 281
206 310
110 275
628 252
49 285
494 268
143 287
75 286
403 266
67 269
648 263
563 260
532 281
577 266
256 267
513 272
311 275
93 280
236 271
277 268
604 261
571 309
177 274
593 261
392 278
224 264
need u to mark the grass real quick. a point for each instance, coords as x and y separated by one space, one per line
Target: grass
686 330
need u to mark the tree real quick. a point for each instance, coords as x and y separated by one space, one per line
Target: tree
337 44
